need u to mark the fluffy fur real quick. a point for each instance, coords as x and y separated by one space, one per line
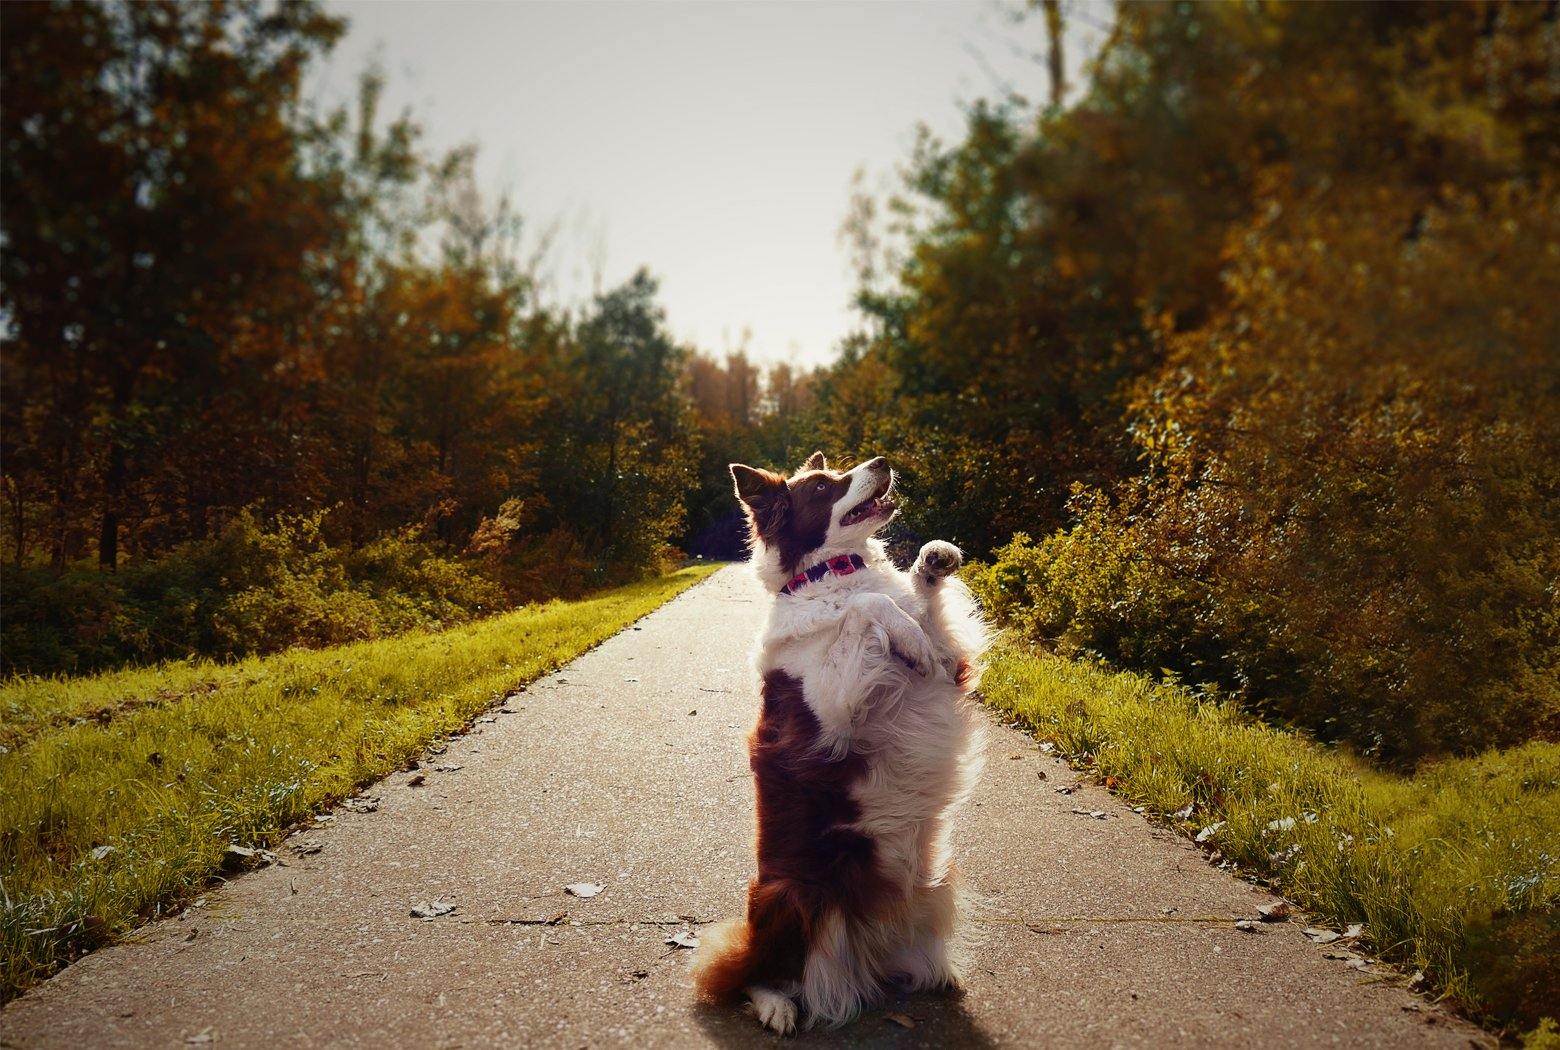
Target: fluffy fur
865 747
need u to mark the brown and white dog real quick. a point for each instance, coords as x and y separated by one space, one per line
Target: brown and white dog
865 746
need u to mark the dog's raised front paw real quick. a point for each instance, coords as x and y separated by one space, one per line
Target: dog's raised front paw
938 559
773 1010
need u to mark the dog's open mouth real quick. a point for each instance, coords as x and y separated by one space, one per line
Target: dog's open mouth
879 504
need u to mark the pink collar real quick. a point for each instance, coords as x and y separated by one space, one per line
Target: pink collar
842 565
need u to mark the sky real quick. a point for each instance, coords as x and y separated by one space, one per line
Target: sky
713 142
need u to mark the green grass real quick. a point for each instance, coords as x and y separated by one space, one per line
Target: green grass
1455 871
120 793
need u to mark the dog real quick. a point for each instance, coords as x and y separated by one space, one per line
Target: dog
866 745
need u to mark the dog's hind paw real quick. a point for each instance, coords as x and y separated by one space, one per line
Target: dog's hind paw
938 559
773 1010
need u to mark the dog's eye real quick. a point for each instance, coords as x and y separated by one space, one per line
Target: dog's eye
821 486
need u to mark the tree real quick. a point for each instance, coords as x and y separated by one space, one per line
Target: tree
159 218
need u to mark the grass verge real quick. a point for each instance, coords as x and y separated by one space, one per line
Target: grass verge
1455 871
120 793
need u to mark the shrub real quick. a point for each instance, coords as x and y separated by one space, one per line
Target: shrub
251 589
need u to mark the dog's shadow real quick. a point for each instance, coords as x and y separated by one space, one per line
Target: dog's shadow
904 1020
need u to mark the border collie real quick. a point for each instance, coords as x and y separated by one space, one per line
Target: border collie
865 746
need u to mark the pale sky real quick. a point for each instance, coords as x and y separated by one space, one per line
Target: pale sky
713 142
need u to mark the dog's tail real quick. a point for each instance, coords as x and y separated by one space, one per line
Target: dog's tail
768 945
724 965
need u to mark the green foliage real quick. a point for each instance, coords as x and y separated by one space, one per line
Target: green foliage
1259 338
218 297
1455 871
119 794
248 590
1546 1036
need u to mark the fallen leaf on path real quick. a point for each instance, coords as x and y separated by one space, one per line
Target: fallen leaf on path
485 719
585 890
1354 931
683 939
448 767
236 857
306 847
1248 926
1319 935
1097 814
205 1035
1040 773
1209 832
362 804
427 910
1278 911
1064 790
417 780
902 1020
1185 812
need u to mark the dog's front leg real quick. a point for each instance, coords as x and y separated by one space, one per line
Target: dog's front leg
939 560
865 613
874 635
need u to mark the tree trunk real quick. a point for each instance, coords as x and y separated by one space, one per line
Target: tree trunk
1053 26
113 494
18 518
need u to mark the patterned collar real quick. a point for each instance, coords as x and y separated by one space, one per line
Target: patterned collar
843 565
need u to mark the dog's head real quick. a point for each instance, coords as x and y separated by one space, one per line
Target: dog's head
816 511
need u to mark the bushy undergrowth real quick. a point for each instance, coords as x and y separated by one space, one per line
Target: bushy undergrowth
251 589
1401 678
1455 870
120 793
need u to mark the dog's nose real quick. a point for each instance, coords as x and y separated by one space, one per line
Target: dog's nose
876 464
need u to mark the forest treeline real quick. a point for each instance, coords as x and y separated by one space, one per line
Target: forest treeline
1245 365
277 375
1238 362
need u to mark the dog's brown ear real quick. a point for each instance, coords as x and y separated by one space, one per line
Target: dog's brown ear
816 462
764 494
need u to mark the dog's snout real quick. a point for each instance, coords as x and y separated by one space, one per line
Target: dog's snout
877 465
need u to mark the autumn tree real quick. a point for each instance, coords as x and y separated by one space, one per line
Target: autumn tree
158 224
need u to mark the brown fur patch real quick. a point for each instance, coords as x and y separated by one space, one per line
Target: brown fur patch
813 495
791 515
809 860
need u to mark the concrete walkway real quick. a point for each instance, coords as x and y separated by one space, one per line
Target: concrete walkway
627 769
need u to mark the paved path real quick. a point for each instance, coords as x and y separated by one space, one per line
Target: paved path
627 769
